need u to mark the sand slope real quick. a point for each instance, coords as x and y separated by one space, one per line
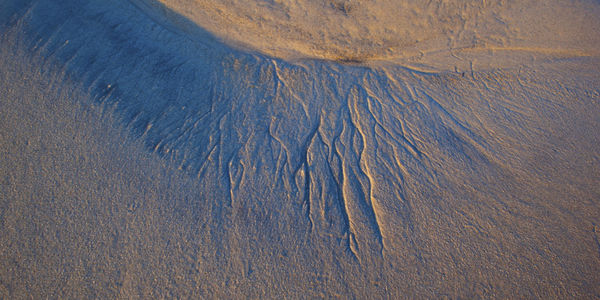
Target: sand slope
438 35
143 157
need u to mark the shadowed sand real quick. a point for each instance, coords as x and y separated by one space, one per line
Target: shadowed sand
143 157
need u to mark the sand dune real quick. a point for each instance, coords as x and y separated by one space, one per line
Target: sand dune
209 149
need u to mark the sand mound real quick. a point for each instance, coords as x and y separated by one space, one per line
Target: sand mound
438 34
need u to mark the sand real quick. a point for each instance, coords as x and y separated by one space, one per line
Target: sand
196 149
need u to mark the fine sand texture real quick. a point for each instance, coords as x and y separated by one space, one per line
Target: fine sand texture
225 149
